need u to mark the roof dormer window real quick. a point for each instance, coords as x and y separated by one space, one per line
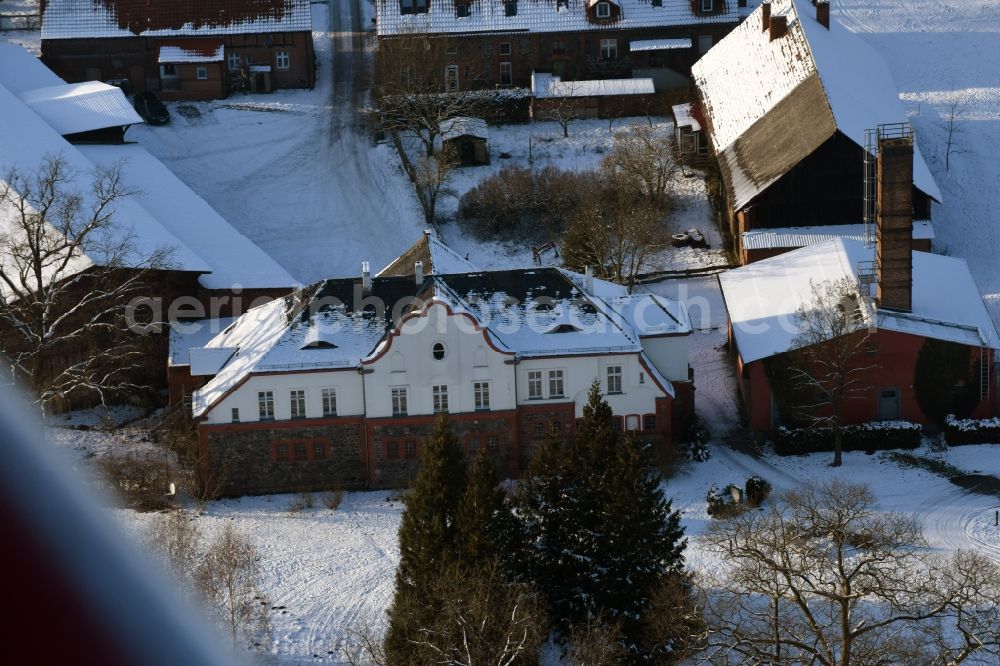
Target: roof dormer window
510 7
462 10
603 10
707 6
413 6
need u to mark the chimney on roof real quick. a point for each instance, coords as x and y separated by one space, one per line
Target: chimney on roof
894 217
823 13
366 278
779 26
765 14
588 280
418 273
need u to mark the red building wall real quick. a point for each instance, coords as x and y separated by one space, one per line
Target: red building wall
895 358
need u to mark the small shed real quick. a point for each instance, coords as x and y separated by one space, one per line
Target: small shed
469 138
689 132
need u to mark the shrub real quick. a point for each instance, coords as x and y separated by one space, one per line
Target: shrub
873 436
333 498
721 504
971 431
758 490
303 501
141 481
513 202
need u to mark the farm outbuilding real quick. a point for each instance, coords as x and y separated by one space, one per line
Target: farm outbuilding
469 138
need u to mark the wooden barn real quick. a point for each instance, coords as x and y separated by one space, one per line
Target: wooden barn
186 50
789 137
903 299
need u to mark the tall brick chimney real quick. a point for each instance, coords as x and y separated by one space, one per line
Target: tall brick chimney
765 15
823 13
779 26
894 219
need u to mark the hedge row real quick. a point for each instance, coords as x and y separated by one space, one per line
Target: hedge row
971 431
874 436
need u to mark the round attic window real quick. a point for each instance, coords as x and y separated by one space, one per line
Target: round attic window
438 351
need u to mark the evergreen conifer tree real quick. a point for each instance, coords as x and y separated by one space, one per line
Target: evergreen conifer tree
427 540
600 534
488 533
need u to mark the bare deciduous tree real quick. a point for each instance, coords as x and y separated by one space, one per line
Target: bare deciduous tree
616 230
67 274
176 536
417 88
820 576
429 175
646 155
830 364
561 105
229 578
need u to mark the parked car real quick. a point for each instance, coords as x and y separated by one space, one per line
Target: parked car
151 108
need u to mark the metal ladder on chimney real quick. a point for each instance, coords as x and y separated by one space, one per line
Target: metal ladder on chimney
984 372
868 198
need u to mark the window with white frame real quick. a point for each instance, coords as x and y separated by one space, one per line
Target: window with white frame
506 74
707 6
398 400
329 401
440 395
614 379
236 414
481 395
504 48
234 60
603 10
282 59
265 405
535 385
556 384
297 398
609 49
201 72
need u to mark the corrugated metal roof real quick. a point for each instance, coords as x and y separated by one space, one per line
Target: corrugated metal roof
73 19
81 107
795 237
545 86
486 16
658 44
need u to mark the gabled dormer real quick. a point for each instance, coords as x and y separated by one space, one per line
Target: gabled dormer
708 7
413 6
603 11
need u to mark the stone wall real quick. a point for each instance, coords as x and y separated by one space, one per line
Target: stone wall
537 423
244 459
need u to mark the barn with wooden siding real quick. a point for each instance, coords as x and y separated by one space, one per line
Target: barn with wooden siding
788 97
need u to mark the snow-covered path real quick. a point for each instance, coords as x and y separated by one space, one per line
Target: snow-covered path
295 171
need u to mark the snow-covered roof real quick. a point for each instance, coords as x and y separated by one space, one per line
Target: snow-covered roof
684 117
436 256
81 107
659 44
793 237
535 16
763 298
211 52
74 19
544 85
233 259
772 103
461 126
191 334
650 315
22 71
25 141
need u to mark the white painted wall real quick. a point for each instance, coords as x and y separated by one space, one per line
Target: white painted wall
350 400
638 395
669 355
409 362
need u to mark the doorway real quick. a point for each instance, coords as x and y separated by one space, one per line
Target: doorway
888 404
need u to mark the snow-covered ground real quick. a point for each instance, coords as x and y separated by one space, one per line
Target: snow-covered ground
541 144
295 171
944 55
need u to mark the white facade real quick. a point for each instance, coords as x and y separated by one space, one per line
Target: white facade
245 399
